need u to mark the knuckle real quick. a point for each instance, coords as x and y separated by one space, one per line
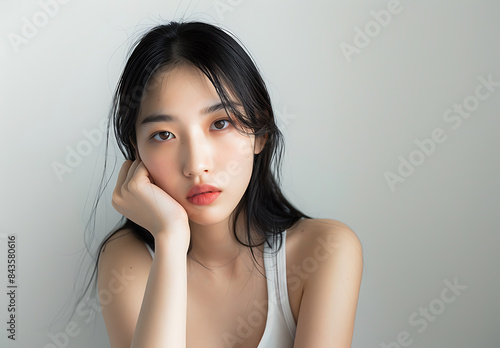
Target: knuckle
115 199
115 204
116 195
132 186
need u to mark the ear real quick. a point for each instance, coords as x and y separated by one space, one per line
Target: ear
259 144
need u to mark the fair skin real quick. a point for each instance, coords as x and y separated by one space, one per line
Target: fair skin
173 301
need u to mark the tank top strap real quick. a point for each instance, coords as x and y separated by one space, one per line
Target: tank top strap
280 325
283 288
151 252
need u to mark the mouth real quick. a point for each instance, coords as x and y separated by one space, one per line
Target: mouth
203 190
204 198
201 193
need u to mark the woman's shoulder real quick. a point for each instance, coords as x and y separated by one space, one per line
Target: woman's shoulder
314 237
123 271
124 237
318 251
124 249
312 229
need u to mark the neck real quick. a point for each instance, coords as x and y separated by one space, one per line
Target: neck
216 247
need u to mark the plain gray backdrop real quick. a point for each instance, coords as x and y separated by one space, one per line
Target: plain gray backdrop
391 116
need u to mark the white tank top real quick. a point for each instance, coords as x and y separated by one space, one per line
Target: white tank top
280 324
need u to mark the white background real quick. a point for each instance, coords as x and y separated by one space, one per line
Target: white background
346 119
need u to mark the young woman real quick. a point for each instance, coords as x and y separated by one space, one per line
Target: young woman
212 254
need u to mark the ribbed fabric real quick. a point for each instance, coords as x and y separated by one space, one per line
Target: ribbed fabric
280 324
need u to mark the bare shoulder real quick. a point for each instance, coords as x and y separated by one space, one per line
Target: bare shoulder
320 225
308 236
329 263
122 275
123 248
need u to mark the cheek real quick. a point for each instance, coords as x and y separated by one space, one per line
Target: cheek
243 150
160 168
237 160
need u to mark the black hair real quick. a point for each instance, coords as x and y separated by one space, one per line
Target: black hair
231 70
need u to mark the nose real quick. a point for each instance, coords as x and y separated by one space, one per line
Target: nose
197 156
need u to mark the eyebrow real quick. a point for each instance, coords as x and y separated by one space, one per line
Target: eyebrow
156 117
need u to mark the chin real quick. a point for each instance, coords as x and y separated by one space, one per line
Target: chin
207 217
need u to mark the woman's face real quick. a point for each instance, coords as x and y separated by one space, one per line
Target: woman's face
185 138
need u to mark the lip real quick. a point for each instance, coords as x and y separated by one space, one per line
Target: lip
204 198
203 194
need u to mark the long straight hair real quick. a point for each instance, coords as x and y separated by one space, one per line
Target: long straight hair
225 62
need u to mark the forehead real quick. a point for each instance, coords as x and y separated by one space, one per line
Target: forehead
180 87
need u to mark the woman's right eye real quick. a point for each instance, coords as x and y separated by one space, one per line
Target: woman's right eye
162 136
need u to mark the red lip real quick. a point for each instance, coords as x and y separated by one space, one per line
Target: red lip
198 189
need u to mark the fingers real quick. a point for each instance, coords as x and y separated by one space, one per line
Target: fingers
130 176
122 175
117 193
142 172
131 171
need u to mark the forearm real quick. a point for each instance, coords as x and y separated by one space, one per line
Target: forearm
162 319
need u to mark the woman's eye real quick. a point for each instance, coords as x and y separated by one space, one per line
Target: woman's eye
162 136
221 124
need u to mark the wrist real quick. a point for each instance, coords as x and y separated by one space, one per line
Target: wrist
173 241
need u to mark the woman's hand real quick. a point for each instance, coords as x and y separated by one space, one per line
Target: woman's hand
137 198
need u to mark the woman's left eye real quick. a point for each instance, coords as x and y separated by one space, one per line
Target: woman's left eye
221 124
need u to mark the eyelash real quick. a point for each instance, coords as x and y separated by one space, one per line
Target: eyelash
227 120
